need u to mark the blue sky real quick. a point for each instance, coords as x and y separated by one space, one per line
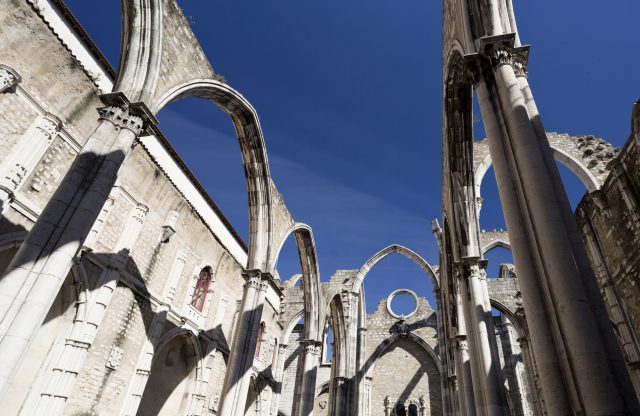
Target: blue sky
349 97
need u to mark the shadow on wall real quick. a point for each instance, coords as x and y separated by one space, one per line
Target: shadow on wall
169 370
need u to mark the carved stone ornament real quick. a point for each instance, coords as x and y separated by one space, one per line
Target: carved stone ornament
115 356
8 77
124 114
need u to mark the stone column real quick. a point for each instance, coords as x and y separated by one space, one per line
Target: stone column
486 363
463 366
591 379
25 155
237 377
277 375
337 399
32 280
311 360
8 78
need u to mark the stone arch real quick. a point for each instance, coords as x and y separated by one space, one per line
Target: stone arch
310 278
340 334
492 239
288 329
140 48
367 368
586 156
192 372
516 320
382 254
254 156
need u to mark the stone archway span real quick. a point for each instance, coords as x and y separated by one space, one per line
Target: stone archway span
586 156
254 156
310 278
367 368
140 48
291 324
382 254
510 314
492 239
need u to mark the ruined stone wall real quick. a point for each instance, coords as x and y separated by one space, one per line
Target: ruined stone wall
55 104
609 220
404 372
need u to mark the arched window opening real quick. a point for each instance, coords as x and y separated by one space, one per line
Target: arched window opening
201 289
491 215
261 332
288 261
400 410
497 259
274 357
413 410
395 271
327 345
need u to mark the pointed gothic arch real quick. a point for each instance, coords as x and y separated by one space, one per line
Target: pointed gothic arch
254 156
382 254
310 277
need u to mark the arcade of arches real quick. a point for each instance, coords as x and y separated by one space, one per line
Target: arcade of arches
125 291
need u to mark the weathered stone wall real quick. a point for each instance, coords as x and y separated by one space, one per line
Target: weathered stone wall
144 299
609 220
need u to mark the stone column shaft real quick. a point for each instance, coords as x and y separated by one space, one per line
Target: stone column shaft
311 360
463 366
584 346
237 377
486 361
551 378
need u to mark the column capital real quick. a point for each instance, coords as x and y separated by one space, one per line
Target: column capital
8 77
502 50
124 114
312 346
49 125
473 266
257 279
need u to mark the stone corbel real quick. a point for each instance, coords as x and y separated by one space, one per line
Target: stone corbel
9 77
600 199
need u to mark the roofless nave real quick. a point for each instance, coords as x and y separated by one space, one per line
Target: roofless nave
125 291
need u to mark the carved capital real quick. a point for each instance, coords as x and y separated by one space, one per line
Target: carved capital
140 213
8 77
124 114
312 347
500 50
256 279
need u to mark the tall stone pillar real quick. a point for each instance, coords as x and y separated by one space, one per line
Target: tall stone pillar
487 377
463 366
564 313
237 379
33 279
311 361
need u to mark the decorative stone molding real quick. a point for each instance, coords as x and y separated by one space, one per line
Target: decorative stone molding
169 227
256 279
115 356
8 78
